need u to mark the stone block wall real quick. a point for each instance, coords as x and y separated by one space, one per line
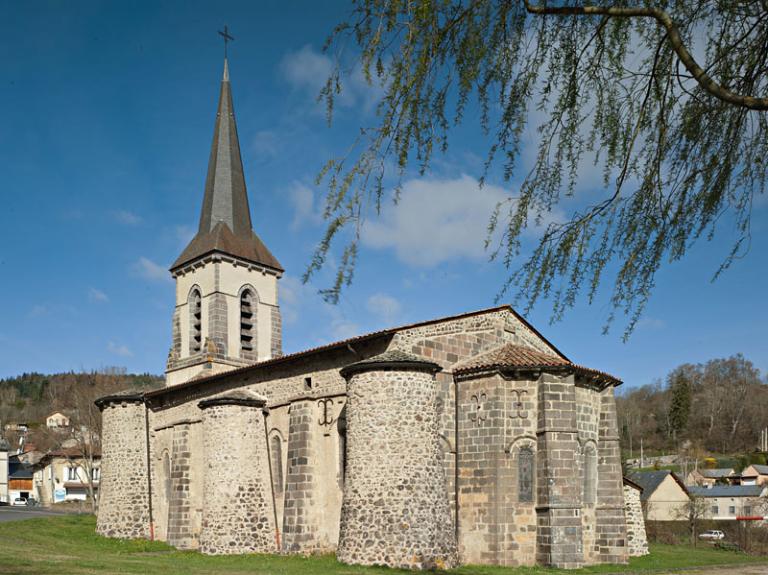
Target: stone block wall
637 541
124 502
611 528
180 515
395 512
559 532
300 508
238 509
497 424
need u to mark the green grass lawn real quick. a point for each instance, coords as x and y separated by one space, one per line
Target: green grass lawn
68 545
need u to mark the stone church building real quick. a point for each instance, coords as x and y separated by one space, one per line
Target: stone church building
464 439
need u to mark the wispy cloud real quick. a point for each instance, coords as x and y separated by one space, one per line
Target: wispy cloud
127 218
651 323
437 220
147 269
97 295
38 311
386 307
119 349
304 208
307 70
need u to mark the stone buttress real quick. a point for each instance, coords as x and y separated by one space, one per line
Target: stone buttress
611 526
238 509
637 541
124 502
394 511
559 490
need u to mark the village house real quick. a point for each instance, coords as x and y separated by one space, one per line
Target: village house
731 501
65 475
664 496
57 420
754 475
20 483
709 477
463 439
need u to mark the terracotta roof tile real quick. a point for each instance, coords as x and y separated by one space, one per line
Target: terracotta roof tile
521 357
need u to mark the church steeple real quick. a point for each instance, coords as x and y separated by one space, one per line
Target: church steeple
227 312
225 219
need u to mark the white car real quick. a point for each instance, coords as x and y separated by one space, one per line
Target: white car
19 501
713 535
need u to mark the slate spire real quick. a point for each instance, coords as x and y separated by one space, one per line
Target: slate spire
225 219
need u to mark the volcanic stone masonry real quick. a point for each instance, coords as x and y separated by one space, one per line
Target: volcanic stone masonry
238 510
394 511
124 500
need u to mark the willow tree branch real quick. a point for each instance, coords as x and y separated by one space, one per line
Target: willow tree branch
699 74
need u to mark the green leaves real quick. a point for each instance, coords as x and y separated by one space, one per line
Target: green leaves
676 158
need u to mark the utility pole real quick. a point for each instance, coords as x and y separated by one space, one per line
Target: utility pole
642 461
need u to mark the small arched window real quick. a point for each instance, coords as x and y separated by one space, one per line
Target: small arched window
526 469
590 475
195 322
247 312
276 453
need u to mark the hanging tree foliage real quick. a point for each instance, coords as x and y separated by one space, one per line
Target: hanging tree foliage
668 98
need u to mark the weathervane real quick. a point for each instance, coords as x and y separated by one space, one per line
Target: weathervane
227 38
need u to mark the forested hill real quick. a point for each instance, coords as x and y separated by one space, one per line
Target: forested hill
31 397
719 407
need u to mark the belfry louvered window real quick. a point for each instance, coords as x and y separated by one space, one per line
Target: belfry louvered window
246 320
195 322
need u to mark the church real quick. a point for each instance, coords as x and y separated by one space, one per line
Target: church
468 439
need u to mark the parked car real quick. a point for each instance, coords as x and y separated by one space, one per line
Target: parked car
19 501
713 535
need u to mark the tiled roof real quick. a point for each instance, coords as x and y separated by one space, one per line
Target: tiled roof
520 357
343 344
225 219
727 491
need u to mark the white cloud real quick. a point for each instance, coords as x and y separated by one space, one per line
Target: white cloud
296 301
384 306
146 268
265 144
437 221
97 295
126 217
119 349
304 209
306 69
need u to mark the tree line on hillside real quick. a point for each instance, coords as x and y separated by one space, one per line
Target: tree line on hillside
718 407
29 398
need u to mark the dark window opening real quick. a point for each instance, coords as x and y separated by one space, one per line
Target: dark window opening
246 320
307 384
196 318
525 475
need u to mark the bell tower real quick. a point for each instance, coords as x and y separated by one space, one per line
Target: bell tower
227 313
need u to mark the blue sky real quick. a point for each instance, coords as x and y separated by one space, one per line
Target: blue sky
108 112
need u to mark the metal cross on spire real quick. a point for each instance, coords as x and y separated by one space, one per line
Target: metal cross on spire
227 38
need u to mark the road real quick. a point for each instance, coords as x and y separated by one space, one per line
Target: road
8 513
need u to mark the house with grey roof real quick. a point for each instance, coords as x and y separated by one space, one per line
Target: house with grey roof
754 475
731 501
664 496
709 477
